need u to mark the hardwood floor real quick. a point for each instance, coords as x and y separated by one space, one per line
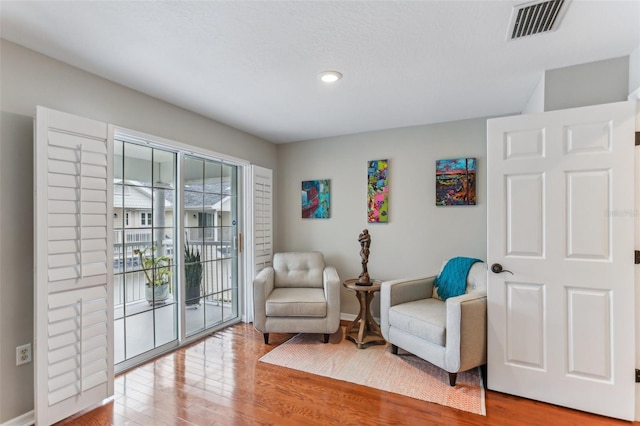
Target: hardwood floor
219 381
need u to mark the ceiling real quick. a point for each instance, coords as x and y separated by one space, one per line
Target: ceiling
254 65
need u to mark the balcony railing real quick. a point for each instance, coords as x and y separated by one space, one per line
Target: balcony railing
129 278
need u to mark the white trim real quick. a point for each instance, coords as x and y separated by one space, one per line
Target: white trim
247 250
146 139
27 419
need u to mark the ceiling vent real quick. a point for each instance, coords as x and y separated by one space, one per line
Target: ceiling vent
536 18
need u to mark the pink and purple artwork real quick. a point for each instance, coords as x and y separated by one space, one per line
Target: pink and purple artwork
378 191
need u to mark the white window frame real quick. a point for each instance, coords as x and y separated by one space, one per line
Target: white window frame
145 219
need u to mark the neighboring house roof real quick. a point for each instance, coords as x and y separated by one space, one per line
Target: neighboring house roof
194 198
138 197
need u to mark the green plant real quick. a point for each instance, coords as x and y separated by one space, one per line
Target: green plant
192 266
156 269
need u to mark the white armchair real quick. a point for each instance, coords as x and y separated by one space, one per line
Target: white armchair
299 294
450 334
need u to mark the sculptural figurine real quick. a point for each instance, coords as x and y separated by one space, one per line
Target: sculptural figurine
365 242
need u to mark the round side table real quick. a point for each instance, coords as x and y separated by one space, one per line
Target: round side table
364 330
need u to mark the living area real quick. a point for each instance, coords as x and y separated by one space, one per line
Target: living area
417 239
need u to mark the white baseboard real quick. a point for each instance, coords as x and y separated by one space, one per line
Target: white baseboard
351 317
347 317
27 419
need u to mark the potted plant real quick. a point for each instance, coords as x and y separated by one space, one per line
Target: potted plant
193 275
157 272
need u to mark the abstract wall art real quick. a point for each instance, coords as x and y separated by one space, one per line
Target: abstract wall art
378 191
316 199
456 182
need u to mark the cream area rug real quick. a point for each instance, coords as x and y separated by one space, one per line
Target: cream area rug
376 367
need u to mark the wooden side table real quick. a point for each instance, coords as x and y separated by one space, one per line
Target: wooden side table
364 330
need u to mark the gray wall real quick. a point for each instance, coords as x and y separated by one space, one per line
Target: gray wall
28 79
587 84
419 235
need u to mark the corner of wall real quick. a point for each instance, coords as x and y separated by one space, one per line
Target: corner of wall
536 100
634 73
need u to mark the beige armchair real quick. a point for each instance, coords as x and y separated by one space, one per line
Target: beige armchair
450 334
299 294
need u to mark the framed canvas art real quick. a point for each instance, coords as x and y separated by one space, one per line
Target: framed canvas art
378 191
316 199
456 182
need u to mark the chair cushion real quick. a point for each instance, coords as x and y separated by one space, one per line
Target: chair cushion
298 269
425 318
296 302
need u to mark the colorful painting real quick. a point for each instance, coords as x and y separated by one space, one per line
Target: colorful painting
378 191
456 182
316 199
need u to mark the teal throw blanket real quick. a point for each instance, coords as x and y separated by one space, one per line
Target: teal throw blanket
452 281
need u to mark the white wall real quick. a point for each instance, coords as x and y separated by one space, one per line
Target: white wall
419 235
28 79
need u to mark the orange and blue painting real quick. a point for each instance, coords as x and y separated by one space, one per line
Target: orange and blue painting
316 199
378 191
456 182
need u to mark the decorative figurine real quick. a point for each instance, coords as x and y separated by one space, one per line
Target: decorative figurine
365 242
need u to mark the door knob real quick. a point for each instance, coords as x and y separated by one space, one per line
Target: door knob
496 268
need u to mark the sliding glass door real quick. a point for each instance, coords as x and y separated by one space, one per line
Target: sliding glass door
176 227
211 230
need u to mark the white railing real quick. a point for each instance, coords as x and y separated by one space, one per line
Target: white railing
129 279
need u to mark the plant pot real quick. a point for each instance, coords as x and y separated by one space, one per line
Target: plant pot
192 296
157 293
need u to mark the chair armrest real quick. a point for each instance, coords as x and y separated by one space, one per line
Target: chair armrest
331 283
401 291
406 290
262 287
466 345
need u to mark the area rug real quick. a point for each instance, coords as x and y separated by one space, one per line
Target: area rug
376 367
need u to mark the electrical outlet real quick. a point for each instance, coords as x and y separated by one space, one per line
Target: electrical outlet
23 354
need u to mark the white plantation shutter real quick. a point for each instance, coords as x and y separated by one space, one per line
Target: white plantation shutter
73 264
260 245
262 218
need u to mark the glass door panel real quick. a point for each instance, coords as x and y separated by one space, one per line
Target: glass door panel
144 249
211 236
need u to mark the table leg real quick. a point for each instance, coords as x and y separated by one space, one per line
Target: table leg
364 330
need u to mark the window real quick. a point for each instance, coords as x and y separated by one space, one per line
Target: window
126 219
145 219
205 219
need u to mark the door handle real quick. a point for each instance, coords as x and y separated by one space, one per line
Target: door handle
496 268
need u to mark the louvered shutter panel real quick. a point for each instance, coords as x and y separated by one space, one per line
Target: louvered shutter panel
73 265
262 218
260 244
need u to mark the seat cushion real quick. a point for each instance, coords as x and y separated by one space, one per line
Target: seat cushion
296 302
298 269
425 318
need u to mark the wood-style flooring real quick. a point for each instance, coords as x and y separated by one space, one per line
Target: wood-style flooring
219 381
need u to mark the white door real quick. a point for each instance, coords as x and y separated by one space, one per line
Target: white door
73 265
560 198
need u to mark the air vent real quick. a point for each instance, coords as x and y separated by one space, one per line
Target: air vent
536 17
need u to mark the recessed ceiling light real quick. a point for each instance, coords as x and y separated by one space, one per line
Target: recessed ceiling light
330 76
